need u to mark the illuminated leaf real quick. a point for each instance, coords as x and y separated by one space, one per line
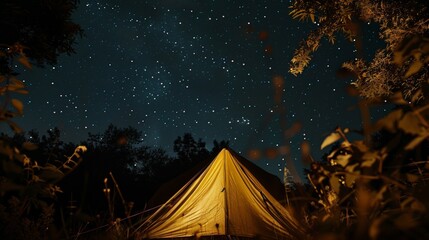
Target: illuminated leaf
352 168
368 163
305 148
369 158
417 95
24 61
14 126
333 137
414 68
389 122
306 153
15 85
381 193
397 98
17 82
29 146
361 146
418 206
416 141
326 218
331 39
410 124
21 91
17 104
335 184
51 173
350 180
293 130
405 49
374 228
343 160
412 178
405 221
321 179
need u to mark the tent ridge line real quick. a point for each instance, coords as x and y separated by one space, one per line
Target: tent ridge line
225 193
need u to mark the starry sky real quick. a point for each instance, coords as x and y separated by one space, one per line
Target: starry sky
184 66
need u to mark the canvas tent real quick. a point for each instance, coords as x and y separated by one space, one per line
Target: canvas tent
225 199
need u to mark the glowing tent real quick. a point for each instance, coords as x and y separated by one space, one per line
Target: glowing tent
225 199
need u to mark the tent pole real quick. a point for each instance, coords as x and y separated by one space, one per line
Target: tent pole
225 197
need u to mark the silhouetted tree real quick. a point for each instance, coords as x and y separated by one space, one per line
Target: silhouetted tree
188 150
218 146
41 30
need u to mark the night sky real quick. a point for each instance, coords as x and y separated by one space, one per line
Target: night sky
204 67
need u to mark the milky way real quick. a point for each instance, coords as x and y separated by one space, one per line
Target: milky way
203 67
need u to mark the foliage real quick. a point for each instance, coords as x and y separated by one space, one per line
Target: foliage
188 149
28 189
10 106
32 33
37 31
370 187
373 187
402 65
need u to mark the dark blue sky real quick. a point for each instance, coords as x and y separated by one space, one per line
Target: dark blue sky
171 67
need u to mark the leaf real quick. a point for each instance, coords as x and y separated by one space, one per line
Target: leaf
21 91
412 178
389 122
397 98
416 141
406 49
417 95
29 146
24 61
333 137
368 163
374 228
380 196
414 68
335 184
16 83
18 105
352 168
306 153
343 160
405 221
305 148
51 173
369 158
293 130
350 180
14 126
418 206
410 124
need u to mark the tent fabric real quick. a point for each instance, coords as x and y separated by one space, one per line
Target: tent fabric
270 182
224 200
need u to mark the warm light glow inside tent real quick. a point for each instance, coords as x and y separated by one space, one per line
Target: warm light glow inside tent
224 200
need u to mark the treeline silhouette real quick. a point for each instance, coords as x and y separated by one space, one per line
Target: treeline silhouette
115 156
